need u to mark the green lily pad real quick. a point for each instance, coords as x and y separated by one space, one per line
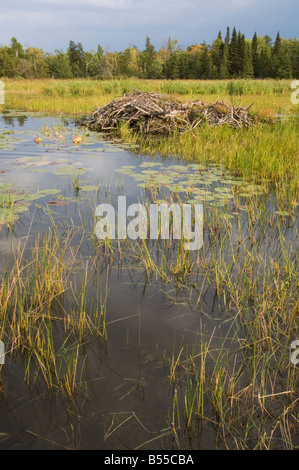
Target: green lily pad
69 171
89 188
20 209
150 172
223 190
51 191
32 197
149 164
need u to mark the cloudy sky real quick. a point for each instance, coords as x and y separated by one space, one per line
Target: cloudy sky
116 24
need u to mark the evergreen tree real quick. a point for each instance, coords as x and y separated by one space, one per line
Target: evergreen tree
277 58
227 36
233 57
247 71
224 67
152 68
293 48
183 65
216 56
224 63
124 63
234 66
277 45
205 62
172 66
265 61
255 56
241 52
76 59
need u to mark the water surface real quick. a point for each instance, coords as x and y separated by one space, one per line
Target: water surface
125 398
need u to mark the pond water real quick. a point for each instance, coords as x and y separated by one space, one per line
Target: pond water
151 314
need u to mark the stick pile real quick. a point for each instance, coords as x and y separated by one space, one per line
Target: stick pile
152 113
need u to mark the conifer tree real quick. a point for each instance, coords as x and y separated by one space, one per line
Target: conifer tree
247 71
76 59
241 52
234 54
224 73
255 56
227 36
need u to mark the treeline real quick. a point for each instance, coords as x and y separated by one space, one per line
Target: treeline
232 56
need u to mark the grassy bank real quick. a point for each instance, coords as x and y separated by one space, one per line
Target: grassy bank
83 96
259 153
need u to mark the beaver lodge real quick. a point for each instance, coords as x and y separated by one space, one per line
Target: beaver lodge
153 113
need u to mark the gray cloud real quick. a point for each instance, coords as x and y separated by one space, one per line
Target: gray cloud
51 24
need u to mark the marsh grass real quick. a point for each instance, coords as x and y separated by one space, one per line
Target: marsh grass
45 310
238 381
243 382
83 96
245 387
259 154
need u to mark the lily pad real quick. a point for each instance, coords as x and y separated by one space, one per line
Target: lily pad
89 188
21 208
69 171
51 191
223 190
149 164
33 197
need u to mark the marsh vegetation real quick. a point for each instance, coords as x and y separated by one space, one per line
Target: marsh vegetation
140 344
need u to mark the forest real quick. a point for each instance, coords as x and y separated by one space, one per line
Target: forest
229 56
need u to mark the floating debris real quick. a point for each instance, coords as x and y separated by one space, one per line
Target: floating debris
59 203
77 140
